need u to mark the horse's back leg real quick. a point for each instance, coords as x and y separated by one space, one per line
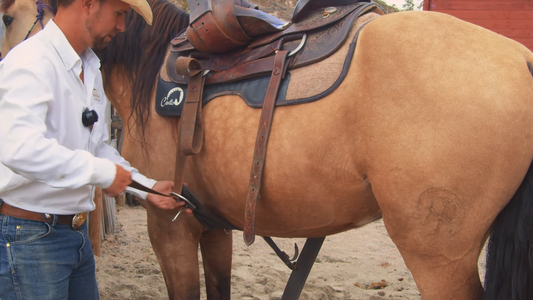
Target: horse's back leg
439 244
440 221
217 249
439 215
444 278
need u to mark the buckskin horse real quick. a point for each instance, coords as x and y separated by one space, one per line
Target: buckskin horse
430 129
21 22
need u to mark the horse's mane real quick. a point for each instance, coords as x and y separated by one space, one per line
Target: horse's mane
6 4
139 53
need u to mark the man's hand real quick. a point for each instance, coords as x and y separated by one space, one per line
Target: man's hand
165 187
121 181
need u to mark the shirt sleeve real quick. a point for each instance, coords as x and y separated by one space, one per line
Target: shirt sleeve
110 153
26 93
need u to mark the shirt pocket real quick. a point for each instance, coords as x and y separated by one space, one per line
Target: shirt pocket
99 104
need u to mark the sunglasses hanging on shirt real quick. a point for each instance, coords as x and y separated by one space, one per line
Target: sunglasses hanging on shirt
89 117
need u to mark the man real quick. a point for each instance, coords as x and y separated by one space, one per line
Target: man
50 159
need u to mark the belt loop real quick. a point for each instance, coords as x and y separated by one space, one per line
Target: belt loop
1 201
50 219
54 222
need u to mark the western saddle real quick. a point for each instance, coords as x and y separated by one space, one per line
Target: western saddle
230 40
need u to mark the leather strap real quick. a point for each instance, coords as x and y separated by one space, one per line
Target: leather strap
265 123
305 262
134 184
179 168
192 134
190 131
214 27
281 254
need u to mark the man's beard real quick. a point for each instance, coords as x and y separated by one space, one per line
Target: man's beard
98 42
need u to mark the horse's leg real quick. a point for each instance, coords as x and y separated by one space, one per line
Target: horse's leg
440 224
439 244
433 280
217 250
440 276
176 247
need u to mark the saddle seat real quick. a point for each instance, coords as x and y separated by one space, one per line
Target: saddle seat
217 26
319 31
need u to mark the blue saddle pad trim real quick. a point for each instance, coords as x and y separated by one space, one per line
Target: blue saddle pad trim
170 96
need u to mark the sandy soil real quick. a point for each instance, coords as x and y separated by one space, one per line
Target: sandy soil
347 265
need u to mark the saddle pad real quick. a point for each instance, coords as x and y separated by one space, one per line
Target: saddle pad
301 85
170 96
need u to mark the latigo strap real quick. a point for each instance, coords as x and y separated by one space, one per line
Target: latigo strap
191 134
263 133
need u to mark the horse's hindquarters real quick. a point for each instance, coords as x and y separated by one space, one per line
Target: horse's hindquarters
445 111
444 107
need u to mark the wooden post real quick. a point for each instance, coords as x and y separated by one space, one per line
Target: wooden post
121 199
95 223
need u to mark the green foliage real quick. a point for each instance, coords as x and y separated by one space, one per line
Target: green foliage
387 8
409 5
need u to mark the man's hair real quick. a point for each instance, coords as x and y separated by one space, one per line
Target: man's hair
66 3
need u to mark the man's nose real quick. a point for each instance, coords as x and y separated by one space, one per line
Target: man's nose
121 25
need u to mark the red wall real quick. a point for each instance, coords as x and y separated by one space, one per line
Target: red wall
511 18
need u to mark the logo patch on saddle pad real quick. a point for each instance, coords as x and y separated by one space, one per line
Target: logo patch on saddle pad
173 98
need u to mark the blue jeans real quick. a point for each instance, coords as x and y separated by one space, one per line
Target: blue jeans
41 261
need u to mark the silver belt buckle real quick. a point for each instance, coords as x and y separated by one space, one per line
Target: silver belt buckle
78 220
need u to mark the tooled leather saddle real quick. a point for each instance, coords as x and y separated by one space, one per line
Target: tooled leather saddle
229 41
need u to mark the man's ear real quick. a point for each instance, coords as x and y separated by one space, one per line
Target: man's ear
87 5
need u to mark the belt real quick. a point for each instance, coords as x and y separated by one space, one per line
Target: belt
74 220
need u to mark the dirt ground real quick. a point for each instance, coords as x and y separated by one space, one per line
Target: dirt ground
359 264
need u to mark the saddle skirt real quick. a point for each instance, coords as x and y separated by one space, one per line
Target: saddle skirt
320 62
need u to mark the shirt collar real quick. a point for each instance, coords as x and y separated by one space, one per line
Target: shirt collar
58 39
90 58
68 55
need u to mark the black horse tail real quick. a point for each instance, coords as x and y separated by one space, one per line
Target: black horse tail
509 273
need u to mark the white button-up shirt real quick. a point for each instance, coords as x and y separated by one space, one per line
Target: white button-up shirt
50 161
